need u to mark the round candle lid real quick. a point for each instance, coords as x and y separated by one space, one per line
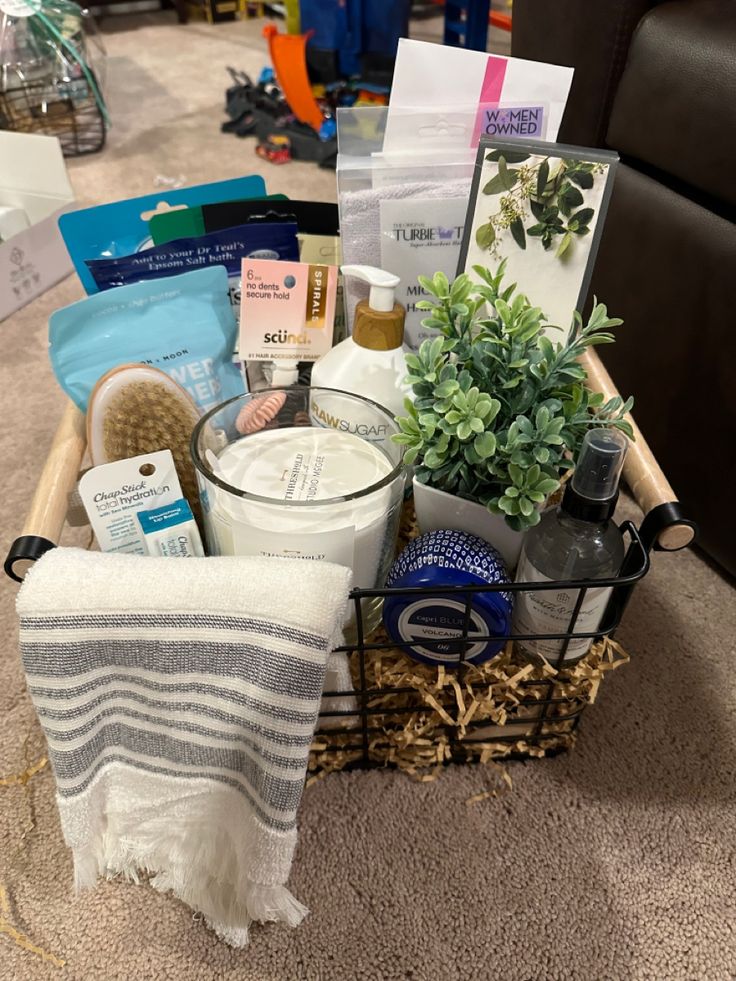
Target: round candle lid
303 464
429 619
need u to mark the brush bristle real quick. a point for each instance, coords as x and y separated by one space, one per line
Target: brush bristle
146 416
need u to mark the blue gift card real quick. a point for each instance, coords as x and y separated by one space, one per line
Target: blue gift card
121 228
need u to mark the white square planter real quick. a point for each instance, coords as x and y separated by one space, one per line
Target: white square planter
437 509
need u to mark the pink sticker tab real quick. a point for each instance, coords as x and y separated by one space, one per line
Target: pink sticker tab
493 81
490 92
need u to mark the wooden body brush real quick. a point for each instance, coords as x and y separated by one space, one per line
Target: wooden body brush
136 409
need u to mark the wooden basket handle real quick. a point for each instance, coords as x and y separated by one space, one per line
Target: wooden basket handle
642 473
45 519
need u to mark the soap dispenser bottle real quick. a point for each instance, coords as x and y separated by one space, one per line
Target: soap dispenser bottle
371 362
577 540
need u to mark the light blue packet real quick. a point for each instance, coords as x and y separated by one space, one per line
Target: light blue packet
183 325
121 228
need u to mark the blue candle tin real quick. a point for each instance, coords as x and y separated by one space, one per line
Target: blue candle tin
447 558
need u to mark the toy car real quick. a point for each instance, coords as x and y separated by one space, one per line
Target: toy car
275 148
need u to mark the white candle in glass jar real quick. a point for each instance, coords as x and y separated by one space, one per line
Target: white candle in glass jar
286 474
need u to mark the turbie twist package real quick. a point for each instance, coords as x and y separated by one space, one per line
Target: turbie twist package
183 325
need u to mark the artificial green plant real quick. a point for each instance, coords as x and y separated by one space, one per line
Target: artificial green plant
499 410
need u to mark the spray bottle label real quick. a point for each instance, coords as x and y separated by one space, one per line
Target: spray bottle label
548 611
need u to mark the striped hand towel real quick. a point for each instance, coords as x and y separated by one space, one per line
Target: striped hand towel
179 700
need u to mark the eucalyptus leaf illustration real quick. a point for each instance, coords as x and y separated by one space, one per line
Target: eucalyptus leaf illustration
495 185
485 236
508 177
569 197
537 209
564 245
582 179
551 190
583 217
517 230
511 156
542 178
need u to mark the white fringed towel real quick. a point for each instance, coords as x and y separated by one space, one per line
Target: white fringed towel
179 700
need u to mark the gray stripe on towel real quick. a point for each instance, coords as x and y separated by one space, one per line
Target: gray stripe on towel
178 688
261 666
81 621
172 771
246 736
279 793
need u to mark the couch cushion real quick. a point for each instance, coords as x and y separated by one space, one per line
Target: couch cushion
591 35
667 266
675 107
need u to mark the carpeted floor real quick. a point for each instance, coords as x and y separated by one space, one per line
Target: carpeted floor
613 862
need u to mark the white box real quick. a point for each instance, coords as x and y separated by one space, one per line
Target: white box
33 177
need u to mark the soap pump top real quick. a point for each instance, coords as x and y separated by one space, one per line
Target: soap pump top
379 320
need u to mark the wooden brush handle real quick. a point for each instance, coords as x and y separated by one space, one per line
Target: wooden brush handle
642 473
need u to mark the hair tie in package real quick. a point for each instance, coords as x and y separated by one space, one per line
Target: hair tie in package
259 412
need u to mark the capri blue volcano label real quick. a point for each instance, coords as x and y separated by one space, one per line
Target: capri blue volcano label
443 627
430 620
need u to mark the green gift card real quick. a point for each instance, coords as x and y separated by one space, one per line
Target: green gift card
186 222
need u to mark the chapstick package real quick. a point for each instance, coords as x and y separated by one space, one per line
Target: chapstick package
183 325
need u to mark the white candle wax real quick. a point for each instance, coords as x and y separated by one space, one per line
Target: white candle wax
292 470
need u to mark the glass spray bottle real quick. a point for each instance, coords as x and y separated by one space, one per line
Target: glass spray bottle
577 540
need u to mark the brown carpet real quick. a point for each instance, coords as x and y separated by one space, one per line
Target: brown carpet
613 862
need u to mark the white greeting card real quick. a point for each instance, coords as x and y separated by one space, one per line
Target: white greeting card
540 208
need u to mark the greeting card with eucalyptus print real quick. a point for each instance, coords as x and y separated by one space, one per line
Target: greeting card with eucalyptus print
541 207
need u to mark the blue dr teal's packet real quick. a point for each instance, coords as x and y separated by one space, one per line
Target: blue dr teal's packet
119 228
183 325
227 247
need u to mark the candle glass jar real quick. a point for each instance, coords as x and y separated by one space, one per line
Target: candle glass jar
303 473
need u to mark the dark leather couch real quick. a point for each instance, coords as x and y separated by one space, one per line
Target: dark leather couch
657 83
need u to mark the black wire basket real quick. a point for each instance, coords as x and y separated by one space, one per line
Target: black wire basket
65 109
537 706
393 710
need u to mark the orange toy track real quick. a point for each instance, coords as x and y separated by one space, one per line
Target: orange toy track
289 60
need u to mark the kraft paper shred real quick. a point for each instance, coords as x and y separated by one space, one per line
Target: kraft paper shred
21 779
433 721
20 939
